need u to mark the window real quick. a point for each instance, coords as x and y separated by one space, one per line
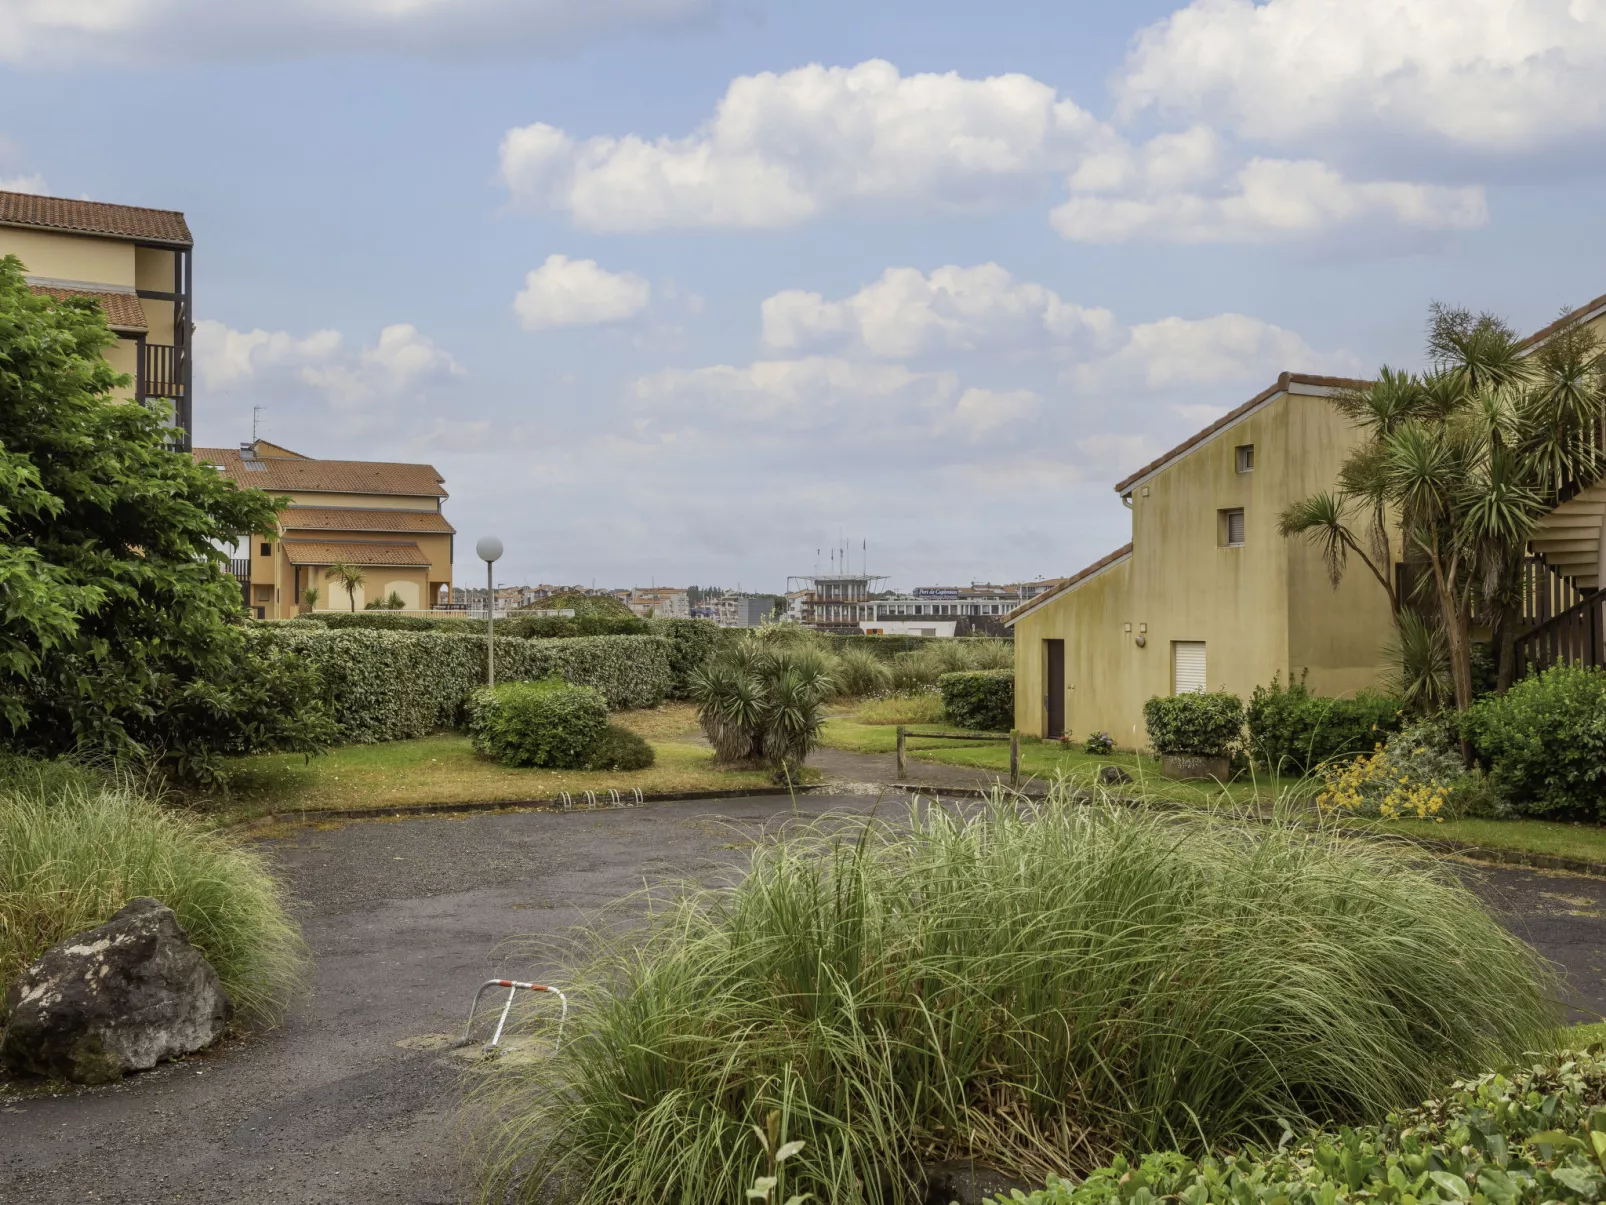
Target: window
1187 667
1245 455
267 549
1230 528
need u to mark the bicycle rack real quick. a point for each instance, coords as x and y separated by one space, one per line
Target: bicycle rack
566 799
514 987
613 797
639 799
591 800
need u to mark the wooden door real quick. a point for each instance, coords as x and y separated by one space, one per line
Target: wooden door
1054 689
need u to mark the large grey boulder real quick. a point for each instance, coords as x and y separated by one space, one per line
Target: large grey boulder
121 997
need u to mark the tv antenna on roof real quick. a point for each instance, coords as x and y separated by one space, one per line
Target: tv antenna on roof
256 413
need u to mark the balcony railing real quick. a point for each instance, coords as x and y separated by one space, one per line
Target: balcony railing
162 373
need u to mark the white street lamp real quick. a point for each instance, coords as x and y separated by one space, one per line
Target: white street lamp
490 550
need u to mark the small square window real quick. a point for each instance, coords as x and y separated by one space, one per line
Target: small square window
1245 456
1230 528
267 549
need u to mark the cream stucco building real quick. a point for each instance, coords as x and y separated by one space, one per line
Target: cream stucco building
383 517
1210 596
135 263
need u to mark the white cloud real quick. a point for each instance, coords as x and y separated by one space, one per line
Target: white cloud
401 361
576 292
1268 199
782 148
34 183
1179 352
140 30
981 413
1493 75
907 313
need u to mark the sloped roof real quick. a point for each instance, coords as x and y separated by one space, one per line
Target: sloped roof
1583 313
123 310
1076 579
1281 385
353 552
355 518
282 474
165 226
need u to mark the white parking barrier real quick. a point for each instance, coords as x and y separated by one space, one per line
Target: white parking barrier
514 987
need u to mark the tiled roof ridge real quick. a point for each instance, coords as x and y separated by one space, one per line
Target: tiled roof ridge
101 218
1081 575
123 310
1545 332
1280 385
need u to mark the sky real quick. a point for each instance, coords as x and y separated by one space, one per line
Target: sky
683 291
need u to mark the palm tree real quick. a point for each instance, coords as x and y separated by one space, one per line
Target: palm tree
1463 460
310 597
348 577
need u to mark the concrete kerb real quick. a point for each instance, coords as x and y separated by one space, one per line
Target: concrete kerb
313 815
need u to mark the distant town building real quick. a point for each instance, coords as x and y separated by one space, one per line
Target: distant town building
743 610
851 601
662 602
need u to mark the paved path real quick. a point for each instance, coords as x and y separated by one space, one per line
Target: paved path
405 918
838 765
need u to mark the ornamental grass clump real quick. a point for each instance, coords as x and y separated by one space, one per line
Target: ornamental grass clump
74 848
1035 986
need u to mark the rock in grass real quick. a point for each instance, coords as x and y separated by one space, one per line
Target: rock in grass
1113 776
965 1182
121 997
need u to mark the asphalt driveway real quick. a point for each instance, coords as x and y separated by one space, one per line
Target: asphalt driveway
352 1100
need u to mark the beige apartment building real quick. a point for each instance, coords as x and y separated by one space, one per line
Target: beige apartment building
136 264
1208 595
384 518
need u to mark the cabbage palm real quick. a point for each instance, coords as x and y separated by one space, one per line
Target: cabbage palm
760 700
348 577
1463 460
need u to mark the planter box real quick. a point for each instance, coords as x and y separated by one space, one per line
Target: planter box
1189 765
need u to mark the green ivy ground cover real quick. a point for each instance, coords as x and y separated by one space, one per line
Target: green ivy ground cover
1528 1136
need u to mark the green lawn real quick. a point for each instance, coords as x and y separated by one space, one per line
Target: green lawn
1045 760
445 769
1584 841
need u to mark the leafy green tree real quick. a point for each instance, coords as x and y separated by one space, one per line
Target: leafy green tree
348 577
120 629
1463 461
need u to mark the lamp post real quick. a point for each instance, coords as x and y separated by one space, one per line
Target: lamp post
490 550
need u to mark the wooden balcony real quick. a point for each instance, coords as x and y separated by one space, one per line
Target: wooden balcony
161 372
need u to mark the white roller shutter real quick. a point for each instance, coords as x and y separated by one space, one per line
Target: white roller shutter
1187 667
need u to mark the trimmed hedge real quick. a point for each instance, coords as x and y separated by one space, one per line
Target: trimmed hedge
1522 1136
979 698
1292 731
386 686
1545 742
1200 725
547 723
891 646
523 627
691 643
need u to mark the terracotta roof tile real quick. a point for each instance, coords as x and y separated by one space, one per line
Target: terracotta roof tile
340 518
276 474
1232 416
353 552
1081 575
95 217
123 310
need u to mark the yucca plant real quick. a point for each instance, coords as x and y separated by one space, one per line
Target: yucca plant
759 701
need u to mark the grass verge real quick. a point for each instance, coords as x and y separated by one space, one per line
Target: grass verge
1031 986
73 850
446 769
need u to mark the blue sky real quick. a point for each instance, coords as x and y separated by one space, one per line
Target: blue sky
679 290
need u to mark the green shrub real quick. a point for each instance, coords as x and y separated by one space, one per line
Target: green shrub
385 686
1035 986
557 627
1545 742
1098 743
983 698
691 643
618 748
1519 1136
76 846
1292 731
1201 725
859 673
547 723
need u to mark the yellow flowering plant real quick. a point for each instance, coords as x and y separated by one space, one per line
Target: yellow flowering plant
1413 777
